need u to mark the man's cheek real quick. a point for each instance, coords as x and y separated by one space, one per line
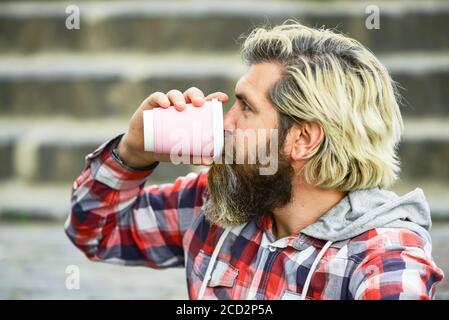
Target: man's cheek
268 154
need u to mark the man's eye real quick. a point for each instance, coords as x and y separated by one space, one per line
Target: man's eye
245 107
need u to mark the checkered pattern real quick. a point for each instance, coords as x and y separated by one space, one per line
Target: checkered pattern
115 218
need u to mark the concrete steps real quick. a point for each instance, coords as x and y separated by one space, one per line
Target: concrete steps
424 150
436 193
158 26
105 85
113 84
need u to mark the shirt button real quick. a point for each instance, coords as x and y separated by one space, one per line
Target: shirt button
272 249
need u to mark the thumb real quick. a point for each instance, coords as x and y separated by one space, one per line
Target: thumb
223 97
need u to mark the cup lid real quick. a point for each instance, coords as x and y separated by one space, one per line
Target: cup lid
148 130
217 114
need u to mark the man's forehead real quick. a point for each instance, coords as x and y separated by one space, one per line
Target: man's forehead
246 88
257 79
241 89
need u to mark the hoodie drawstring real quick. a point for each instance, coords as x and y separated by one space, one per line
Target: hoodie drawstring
210 266
312 269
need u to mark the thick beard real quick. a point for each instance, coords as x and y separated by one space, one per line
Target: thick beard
239 193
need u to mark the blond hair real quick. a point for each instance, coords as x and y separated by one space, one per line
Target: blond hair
335 81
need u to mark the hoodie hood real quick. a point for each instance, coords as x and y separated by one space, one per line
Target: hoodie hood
363 210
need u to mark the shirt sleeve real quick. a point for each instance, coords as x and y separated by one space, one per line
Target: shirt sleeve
115 218
397 266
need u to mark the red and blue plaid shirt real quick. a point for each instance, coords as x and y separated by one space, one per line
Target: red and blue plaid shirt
116 218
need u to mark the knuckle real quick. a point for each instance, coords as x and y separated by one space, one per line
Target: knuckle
195 91
174 92
157 95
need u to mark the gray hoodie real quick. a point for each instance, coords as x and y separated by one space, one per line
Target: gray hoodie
364 210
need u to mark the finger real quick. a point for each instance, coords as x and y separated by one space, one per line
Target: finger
223 97
155 100
195 96
177 99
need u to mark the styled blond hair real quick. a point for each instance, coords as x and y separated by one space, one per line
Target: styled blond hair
335 81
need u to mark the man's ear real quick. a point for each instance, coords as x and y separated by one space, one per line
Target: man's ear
303 138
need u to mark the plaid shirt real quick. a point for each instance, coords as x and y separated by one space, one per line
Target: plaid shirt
115 218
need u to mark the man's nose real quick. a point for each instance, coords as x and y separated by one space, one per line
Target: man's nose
229 123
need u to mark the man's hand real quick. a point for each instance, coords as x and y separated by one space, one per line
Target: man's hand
131 147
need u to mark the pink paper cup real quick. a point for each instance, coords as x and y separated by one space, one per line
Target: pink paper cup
195 131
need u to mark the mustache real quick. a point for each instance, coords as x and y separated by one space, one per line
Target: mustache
253 147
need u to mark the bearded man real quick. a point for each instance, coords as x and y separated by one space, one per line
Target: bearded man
321 226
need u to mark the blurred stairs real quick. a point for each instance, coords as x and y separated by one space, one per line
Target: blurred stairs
63 92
